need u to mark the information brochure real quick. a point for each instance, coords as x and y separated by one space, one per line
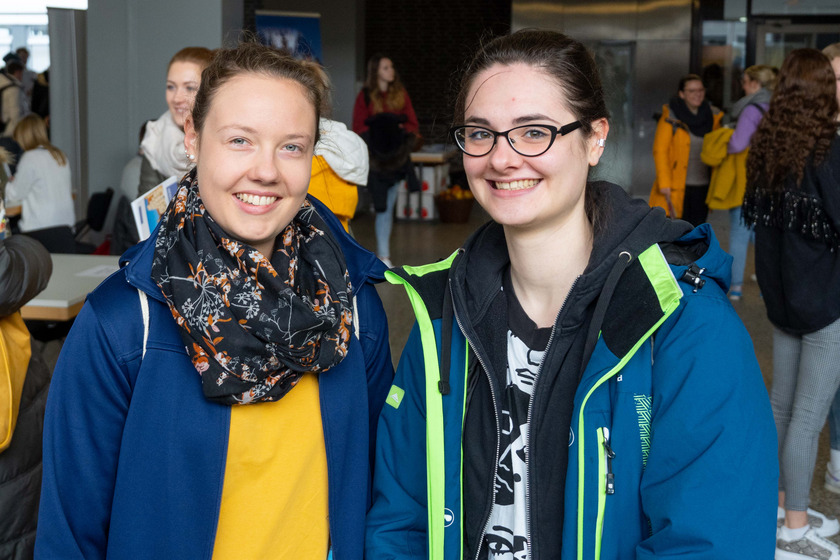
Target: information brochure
149 208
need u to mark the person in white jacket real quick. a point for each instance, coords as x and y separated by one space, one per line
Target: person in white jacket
42 180
163 142
340 162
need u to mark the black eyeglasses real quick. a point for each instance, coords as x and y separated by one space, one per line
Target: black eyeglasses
529 140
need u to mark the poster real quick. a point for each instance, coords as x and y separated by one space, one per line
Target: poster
298 33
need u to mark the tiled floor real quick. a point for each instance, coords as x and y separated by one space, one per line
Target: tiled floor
424 242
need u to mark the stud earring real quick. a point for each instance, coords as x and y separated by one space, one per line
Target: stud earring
601 142
191 156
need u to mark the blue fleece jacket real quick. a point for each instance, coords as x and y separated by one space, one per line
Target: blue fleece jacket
134 455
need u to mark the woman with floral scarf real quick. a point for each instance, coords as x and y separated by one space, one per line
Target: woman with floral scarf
217 397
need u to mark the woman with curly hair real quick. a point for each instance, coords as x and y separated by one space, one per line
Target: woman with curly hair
793 199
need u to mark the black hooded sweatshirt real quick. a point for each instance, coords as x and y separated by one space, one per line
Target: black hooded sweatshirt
481 310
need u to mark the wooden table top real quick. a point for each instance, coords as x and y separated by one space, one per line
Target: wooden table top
73 278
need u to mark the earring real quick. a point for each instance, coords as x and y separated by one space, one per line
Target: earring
601 142
191 156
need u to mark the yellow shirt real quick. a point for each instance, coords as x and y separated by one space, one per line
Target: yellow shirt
274 499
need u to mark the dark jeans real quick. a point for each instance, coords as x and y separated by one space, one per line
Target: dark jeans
695 210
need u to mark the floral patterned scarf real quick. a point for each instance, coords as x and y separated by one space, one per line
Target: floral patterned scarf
252 326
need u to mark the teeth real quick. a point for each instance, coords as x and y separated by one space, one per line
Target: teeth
516 185
256 200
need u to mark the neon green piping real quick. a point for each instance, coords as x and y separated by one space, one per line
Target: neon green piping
463 419
673 293
435 465
661 278
602 493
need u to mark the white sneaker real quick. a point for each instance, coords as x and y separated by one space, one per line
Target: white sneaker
823 525
832 481
809 547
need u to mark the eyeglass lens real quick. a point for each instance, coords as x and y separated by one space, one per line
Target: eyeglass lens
530 140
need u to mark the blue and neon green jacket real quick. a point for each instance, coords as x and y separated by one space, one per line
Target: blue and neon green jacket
672 447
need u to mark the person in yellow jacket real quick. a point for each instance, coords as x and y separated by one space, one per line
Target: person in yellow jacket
682 179
340 162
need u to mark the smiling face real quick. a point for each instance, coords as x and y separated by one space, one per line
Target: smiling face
693 93
182 82
528 192
254 156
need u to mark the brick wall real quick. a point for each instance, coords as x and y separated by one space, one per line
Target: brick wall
429 41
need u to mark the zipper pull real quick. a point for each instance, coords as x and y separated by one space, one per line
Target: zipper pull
610 456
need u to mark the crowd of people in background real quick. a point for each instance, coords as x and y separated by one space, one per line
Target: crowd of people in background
554 398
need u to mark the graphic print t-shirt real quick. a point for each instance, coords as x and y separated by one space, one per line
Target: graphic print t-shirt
507 531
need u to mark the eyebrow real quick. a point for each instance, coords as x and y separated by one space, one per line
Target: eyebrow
249 130
524 119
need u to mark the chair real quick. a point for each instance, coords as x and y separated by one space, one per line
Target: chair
57 239
97 211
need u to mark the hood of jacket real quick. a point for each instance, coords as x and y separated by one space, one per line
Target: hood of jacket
345 151
362 265
628 225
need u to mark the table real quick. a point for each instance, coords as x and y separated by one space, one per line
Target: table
432 166
73 278
434 154
13 208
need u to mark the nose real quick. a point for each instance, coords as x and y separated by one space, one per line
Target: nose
180 94
265 168
503 156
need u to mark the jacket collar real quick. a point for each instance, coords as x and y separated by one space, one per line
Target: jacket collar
362 265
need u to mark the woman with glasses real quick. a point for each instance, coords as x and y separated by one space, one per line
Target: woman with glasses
576 383
682 179
793 200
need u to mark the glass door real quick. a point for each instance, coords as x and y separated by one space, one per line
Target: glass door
775 40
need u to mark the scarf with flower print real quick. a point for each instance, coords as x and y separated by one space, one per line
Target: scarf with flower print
252 325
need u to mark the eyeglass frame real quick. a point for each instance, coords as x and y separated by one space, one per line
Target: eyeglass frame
562 131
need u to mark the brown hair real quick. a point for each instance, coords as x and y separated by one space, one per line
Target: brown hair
763 74
395 94
324 84
688 78
799 125
253 58
31 132
563 59
199 56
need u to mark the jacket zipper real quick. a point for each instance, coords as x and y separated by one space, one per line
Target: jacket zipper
605 474
530 453
498 423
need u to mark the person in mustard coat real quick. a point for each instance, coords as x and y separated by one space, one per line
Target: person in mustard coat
682 179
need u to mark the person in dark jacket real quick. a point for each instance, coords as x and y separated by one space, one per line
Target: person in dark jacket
563 394
25 269
793 199
384 116
217 396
